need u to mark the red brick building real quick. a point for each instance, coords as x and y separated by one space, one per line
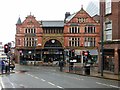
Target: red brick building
52 40
110 9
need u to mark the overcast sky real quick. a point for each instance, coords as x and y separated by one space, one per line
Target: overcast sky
10 10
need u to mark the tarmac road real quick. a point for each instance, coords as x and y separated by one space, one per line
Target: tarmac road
51 77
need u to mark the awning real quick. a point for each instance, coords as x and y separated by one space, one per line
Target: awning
93 52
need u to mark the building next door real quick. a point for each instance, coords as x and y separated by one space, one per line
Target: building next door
53 51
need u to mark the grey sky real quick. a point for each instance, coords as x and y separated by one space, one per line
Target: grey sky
41 9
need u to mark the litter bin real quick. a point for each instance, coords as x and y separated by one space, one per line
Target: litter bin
87 70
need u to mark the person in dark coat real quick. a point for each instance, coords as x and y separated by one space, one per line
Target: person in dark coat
71 65
61 65
6 66
2 66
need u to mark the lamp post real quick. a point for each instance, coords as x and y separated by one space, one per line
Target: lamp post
35 41
102 37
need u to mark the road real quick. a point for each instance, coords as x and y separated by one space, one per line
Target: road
51 77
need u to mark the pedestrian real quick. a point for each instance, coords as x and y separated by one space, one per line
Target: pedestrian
2 66
6 66
61 65
71 66
12 65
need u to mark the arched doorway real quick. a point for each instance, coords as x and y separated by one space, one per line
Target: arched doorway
53 51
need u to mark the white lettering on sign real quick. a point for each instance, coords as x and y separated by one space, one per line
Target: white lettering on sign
74 60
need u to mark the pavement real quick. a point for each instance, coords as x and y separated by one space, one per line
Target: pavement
93 73
81 71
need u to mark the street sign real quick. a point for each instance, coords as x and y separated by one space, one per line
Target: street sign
74 60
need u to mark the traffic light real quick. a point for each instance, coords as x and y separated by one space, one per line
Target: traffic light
84 53
6 48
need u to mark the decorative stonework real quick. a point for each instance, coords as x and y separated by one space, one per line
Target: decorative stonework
60 39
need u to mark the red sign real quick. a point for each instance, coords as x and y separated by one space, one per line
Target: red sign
85 53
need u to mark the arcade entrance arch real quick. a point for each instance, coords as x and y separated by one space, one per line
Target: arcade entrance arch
53 51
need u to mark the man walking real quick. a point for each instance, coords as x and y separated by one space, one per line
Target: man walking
61 65
6 67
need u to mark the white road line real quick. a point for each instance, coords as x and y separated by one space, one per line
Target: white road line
80 79
102 84
36 77
11 83
108 85
22 86
59 87
114 86
31 75
51 83
2 83
43 80
28 74
0 87
74 78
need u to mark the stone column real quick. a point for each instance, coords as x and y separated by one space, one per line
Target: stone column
116 61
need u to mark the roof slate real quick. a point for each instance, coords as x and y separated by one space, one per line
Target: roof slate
52 23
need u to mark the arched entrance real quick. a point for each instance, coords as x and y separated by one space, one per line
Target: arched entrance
53 51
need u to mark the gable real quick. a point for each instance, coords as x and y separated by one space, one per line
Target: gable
80 17
30 21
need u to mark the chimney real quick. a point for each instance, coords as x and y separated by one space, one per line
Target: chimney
67 14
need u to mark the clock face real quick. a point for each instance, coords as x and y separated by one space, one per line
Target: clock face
53 41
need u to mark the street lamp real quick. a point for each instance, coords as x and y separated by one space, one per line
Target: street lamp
102 36
35 41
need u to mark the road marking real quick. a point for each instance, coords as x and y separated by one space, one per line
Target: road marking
107 85
31 75
21 85
1 84
51 83
80 79
59 87
102 84
28 74
36 77
114 86
74 78
43 80
12 84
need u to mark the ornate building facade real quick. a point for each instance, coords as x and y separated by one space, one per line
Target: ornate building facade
50 40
